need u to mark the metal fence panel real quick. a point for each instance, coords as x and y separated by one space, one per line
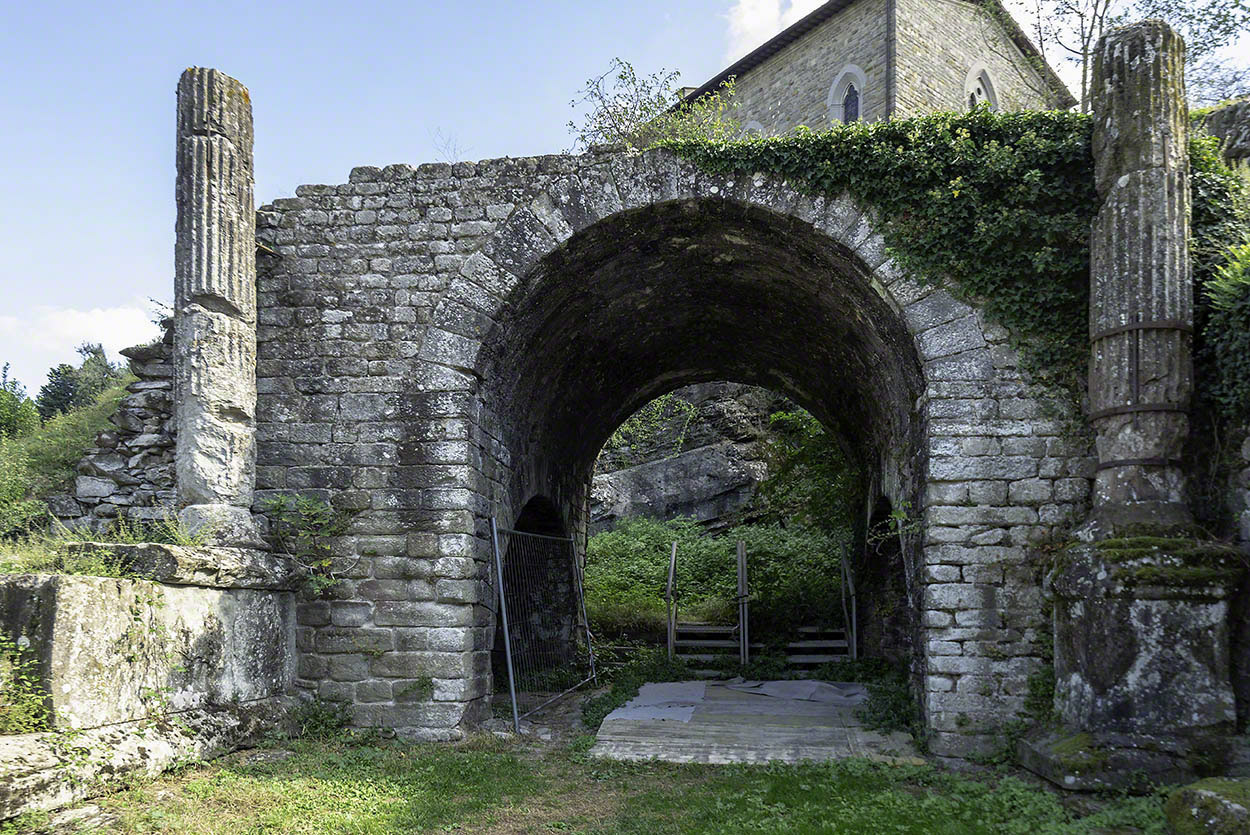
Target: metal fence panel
542 615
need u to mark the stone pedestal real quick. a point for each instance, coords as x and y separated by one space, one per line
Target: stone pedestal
1141 662
215 308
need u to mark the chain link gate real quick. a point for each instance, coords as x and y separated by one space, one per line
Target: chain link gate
542 616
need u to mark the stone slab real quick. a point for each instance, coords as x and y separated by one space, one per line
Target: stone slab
728 725
117 650
204 566
41 772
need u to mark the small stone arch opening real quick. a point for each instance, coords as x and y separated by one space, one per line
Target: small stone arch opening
692 291
540 590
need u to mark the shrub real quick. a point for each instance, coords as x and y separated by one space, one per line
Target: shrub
319 718
649 665
53 451
793 576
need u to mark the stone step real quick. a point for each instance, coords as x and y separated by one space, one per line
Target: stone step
815 659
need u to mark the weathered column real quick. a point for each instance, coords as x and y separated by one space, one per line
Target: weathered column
1141 288
215 307
1140 622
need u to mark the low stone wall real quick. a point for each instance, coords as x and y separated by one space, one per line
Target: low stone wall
136 673
130 471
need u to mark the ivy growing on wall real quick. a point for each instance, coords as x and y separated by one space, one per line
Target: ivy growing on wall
994 207
997 208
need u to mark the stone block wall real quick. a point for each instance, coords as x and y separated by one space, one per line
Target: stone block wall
385 386
145 673
793 87
940 41
129 473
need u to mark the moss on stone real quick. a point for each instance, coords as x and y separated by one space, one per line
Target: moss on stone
1078 753
1214 805
1172 561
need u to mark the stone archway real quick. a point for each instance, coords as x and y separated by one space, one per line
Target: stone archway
628 275
395 338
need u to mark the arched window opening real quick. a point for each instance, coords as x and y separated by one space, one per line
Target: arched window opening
850 104
845 99
979 89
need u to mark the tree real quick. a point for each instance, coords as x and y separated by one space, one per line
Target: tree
18 415
71 388
1070 29
58 395
641 111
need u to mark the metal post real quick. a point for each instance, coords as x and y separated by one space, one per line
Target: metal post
580 572
503 614
744 637
669 598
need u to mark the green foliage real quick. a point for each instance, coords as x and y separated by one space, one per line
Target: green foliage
891 705
52 451
793 574
809 483
639 111
18 415
996 207
69 388
18 514
23 708
55 549
1226 335
663 422
319 718
306 527
647 665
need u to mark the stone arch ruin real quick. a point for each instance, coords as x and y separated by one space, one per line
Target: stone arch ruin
437 345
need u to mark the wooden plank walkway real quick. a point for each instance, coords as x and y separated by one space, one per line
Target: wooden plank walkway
731 726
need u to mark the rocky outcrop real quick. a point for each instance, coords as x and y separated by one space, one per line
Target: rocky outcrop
1232 125
130 471
703 457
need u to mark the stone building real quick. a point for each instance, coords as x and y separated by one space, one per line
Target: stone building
878 59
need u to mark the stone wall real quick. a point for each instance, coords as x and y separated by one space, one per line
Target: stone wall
444 343
144 673
793 87
932 79
129 472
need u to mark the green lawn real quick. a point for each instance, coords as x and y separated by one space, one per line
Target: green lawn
488 786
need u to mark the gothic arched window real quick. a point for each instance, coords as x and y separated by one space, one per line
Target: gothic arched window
846 95
979 89
850 104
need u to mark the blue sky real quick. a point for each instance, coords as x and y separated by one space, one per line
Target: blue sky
87 119
87 108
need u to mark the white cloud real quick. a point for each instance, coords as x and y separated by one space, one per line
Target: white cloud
751 22
47 336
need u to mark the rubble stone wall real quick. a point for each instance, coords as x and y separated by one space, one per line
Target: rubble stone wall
129 473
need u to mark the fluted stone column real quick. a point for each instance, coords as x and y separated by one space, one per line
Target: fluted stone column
215 307
1141 299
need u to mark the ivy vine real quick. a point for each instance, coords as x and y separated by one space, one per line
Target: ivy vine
994 207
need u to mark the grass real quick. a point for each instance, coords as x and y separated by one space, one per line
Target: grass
49 552
487 786
52 451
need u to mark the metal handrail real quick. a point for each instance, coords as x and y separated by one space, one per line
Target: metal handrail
848 583
670 598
